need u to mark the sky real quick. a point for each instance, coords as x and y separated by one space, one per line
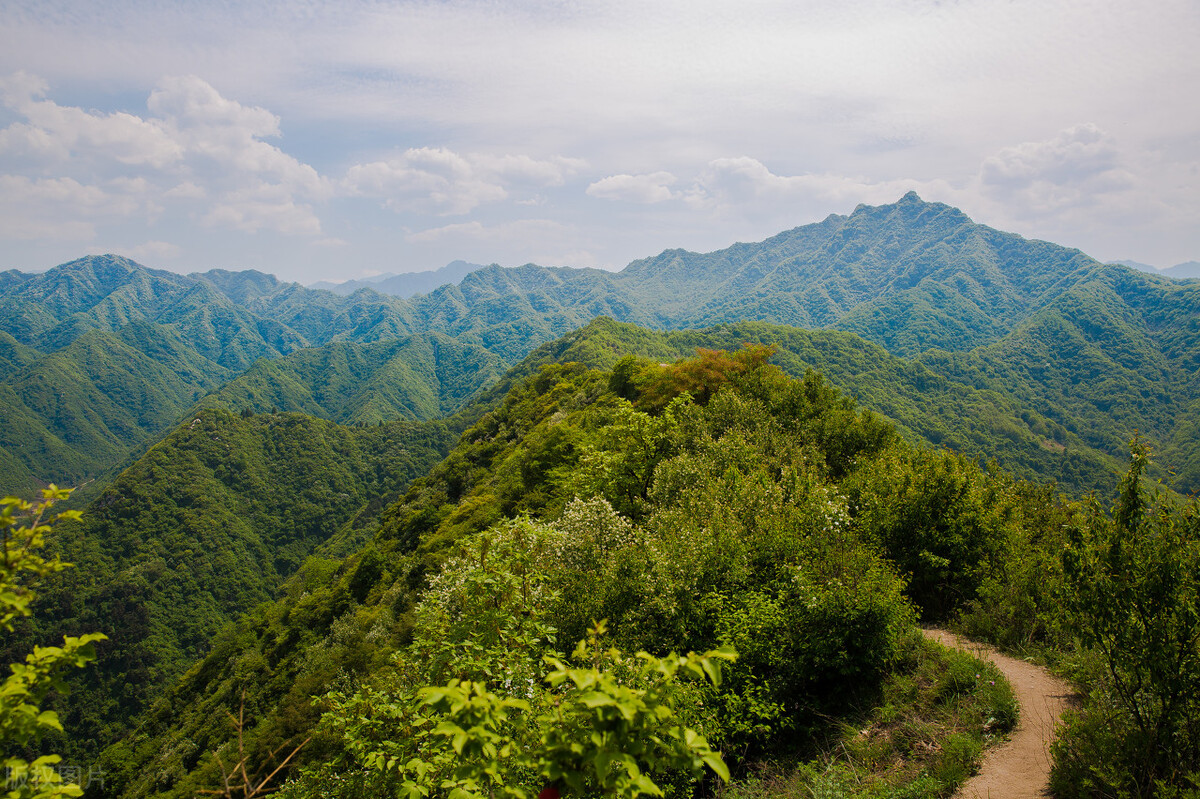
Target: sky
321 140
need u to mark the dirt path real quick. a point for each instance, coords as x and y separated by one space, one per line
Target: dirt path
1020 767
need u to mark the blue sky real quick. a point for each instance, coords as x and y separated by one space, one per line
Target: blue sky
335 140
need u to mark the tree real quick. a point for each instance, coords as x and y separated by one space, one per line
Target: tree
1133 592
23 529
480 703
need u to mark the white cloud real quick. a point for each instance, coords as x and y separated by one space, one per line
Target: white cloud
425 179
151 251
228 135
438 180
646 189
523 169
1078 167
56 133
265 208
747 185
55 207
187 190
195 145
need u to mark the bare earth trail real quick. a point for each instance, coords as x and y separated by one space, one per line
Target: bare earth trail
1020 767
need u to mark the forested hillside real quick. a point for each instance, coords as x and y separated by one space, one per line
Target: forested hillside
418 377
927 408
270 541
708 502
206 526
210 521
1118 353
694 505
910 276
128 351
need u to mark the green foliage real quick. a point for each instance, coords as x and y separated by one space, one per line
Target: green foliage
706 501
688 526
203 528
818 647
939 518
504 716
923 404
23 723
415 378
1133 593
930 694
23 530
1018 603
700 377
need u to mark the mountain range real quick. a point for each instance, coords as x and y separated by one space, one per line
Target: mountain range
102 355
266 456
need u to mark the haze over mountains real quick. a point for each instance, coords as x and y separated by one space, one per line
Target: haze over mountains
1184 271
406 284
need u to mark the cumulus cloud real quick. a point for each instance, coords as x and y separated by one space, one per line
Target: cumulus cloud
54 133
1077 167
440 181
194 145
426 178
229 135
197 156
543 241
748 184
187 190
32 208
646 189
262 207
524 169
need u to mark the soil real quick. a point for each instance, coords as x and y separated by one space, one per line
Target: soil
1020 767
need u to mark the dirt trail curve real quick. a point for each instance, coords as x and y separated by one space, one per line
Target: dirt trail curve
1020 767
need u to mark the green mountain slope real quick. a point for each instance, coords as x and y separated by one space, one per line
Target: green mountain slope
927 406
695 513
73 413
204 527
125 351
1115 355
910 276
416 378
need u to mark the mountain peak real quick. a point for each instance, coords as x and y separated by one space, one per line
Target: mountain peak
107 264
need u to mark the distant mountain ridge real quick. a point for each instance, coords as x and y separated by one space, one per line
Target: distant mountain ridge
405 284
1184 271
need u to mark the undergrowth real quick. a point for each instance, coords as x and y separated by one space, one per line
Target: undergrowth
937 712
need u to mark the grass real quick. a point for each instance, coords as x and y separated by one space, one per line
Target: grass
937 713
